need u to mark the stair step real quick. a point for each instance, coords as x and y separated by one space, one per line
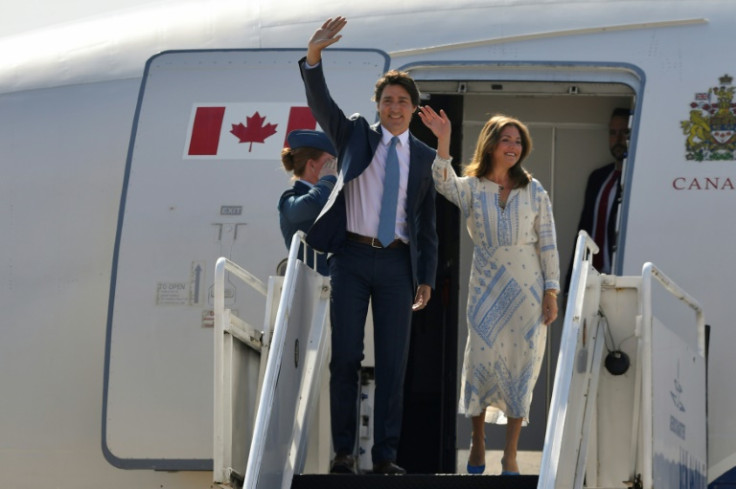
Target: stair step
413 481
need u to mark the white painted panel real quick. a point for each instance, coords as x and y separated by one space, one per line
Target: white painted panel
678 411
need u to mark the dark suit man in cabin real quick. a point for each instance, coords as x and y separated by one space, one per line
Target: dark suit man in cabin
603 195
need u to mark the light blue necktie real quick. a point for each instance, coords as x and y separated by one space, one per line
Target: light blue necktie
387 217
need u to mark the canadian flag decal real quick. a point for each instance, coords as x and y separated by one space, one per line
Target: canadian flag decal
205 134
244 130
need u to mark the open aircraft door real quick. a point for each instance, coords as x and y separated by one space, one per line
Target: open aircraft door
202 180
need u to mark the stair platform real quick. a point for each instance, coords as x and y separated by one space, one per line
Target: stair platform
413 481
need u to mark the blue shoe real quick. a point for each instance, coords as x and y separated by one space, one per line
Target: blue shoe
508 472
476 469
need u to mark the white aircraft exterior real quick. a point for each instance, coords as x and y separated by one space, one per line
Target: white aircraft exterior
71 411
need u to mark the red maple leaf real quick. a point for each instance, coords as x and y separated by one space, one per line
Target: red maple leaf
254 131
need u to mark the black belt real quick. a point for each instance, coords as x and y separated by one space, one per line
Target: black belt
374 242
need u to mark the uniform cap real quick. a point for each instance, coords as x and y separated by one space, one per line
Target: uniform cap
303 138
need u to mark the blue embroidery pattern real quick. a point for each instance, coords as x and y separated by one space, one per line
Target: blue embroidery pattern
514 259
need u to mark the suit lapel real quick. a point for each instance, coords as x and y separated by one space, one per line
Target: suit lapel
414 175
353 163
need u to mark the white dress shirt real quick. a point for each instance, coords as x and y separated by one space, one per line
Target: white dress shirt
363 194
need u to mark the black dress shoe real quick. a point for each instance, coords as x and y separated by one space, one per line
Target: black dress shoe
388 468
343 464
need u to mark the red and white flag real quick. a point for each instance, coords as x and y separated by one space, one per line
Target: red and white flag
250 130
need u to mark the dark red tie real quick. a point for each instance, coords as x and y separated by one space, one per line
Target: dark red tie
601 222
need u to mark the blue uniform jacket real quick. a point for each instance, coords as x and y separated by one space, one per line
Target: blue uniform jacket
299 207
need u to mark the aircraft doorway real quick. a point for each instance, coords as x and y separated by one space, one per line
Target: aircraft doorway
569 127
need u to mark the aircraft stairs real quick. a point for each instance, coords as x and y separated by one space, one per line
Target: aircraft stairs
617 418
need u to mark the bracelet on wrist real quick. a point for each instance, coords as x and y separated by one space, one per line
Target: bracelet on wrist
551 292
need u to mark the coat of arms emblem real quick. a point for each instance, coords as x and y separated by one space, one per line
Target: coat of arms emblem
711 129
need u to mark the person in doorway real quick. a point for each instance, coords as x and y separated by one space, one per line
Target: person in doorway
514 279
379 225
603 195
310 158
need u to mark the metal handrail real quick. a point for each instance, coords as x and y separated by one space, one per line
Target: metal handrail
584 247
642 428
252 336
252 471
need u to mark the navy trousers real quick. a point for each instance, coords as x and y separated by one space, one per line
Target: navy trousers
360 273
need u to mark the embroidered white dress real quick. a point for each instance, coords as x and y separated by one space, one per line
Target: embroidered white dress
514 260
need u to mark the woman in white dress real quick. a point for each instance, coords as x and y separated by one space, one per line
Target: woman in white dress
514 279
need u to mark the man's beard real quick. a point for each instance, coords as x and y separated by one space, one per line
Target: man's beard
619 151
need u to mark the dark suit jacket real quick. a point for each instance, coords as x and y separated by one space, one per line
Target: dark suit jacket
595 181
356 141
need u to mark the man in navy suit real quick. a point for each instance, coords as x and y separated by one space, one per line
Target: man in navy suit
603 195
398 275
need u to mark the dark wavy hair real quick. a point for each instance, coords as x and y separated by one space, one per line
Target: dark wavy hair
401 78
